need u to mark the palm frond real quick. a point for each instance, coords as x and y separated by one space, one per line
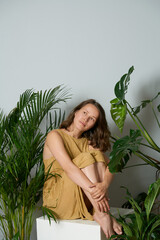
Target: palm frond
21 166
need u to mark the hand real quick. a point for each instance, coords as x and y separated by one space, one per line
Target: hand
103 205
99 191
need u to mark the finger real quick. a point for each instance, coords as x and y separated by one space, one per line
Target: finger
99 197
92 186
96 197
101 207
104 208
98 206
95 193
107 205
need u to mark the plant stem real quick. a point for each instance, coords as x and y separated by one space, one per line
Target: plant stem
136 165
155 115
22 233
145 158
148 146
144 133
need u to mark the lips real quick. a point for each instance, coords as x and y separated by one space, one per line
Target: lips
83 124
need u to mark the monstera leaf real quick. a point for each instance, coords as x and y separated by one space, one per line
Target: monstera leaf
122 150
121 87
118 112
118 105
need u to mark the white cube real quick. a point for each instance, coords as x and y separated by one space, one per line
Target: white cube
73 229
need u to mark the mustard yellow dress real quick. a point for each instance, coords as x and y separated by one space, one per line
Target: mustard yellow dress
61 194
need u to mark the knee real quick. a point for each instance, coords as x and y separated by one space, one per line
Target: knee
83 160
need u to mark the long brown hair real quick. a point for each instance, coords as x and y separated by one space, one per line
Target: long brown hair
99 134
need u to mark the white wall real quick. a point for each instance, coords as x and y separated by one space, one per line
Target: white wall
86 45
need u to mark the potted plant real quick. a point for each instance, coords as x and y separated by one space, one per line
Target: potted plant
21 166
142 224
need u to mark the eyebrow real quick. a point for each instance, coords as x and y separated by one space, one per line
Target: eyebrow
92 116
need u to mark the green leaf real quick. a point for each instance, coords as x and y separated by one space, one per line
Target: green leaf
21 166
134 204
127 229
156 235
118 113
148 226
49 213
153 192
122 150
16 236
122 86
139 220
143 104
119 237
154 226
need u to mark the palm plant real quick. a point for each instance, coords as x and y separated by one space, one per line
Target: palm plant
125 146
21 166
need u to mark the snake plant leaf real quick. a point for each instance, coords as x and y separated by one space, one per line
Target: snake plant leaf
118 112
153 192
122 150
121 87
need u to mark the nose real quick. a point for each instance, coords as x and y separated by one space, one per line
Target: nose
85 119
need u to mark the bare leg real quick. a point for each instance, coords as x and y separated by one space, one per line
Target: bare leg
95 173
103 219
101 171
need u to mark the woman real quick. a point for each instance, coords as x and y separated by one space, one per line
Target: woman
76 153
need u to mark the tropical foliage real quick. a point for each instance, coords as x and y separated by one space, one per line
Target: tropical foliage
142 224
21 167
125 146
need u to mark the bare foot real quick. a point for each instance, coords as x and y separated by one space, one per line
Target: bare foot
116 226
105 222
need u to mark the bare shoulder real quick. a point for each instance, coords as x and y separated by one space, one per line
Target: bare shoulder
53 132
53 143
53 136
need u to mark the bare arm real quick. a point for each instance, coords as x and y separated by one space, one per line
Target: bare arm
56 146
101 188
108 177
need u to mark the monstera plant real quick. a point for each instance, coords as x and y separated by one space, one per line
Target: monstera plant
143 224
22 136
140 137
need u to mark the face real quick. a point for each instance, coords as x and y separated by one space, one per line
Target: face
86 117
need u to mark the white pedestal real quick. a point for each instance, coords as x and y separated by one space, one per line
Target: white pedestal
72 229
